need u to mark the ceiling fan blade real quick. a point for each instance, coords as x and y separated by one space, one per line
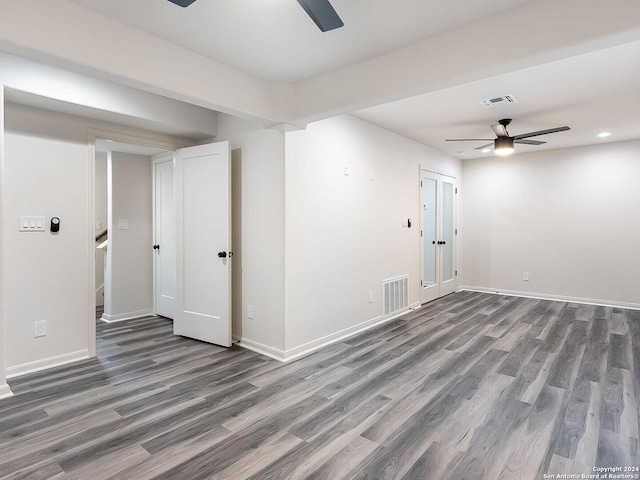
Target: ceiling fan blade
529 142
541 132
484 146
182 3
322 13
468 139
500 130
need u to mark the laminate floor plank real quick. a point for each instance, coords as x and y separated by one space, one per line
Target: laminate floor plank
471 385
528 449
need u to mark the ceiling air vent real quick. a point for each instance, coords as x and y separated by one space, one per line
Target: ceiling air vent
494 102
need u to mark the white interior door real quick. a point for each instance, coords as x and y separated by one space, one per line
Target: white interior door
203 239
438 235
165 239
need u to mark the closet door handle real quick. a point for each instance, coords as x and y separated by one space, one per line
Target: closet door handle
222 254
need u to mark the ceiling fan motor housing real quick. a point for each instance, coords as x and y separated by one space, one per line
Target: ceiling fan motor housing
503 145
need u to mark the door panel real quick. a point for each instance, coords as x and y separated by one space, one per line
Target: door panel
203 221
165 239
448 284
429 237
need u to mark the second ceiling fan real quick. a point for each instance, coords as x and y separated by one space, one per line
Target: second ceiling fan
504 143
320 11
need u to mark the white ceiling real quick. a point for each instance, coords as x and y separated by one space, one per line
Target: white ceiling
590 93
276 41
583 85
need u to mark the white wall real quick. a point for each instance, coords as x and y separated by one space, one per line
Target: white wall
129 276
45 276
47 166
258 231
100 219
344 234
568 217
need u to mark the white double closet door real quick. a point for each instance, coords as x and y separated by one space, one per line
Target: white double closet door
438 235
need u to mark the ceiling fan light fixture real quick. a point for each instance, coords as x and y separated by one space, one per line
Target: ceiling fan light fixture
503 146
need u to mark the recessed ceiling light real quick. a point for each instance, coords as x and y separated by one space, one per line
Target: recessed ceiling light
485 150
604 134
460 152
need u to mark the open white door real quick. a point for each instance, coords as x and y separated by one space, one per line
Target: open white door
165 239
203 238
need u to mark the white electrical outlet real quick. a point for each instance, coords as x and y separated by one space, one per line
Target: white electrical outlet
40 329
249 312
525 276
370 296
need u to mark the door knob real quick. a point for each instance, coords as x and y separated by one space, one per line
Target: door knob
222 254
434 242
444 243
156 247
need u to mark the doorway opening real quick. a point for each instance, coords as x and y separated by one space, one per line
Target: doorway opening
166 211
130 193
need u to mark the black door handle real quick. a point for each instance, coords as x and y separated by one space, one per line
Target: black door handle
444 243
156 247
222 254
434 242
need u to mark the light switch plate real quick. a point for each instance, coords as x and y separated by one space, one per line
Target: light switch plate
29 223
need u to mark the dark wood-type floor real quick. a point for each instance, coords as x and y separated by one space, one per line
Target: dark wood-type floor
472 386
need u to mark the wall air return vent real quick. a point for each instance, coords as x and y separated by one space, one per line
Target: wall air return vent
497 101
395 295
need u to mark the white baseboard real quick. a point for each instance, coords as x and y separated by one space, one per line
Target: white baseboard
265 350
310 347
314 345
548 296
5 391
121 317
45 363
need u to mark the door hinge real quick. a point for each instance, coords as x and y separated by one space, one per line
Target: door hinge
421 233
421 283
456 231
456 190
420 182
456 273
